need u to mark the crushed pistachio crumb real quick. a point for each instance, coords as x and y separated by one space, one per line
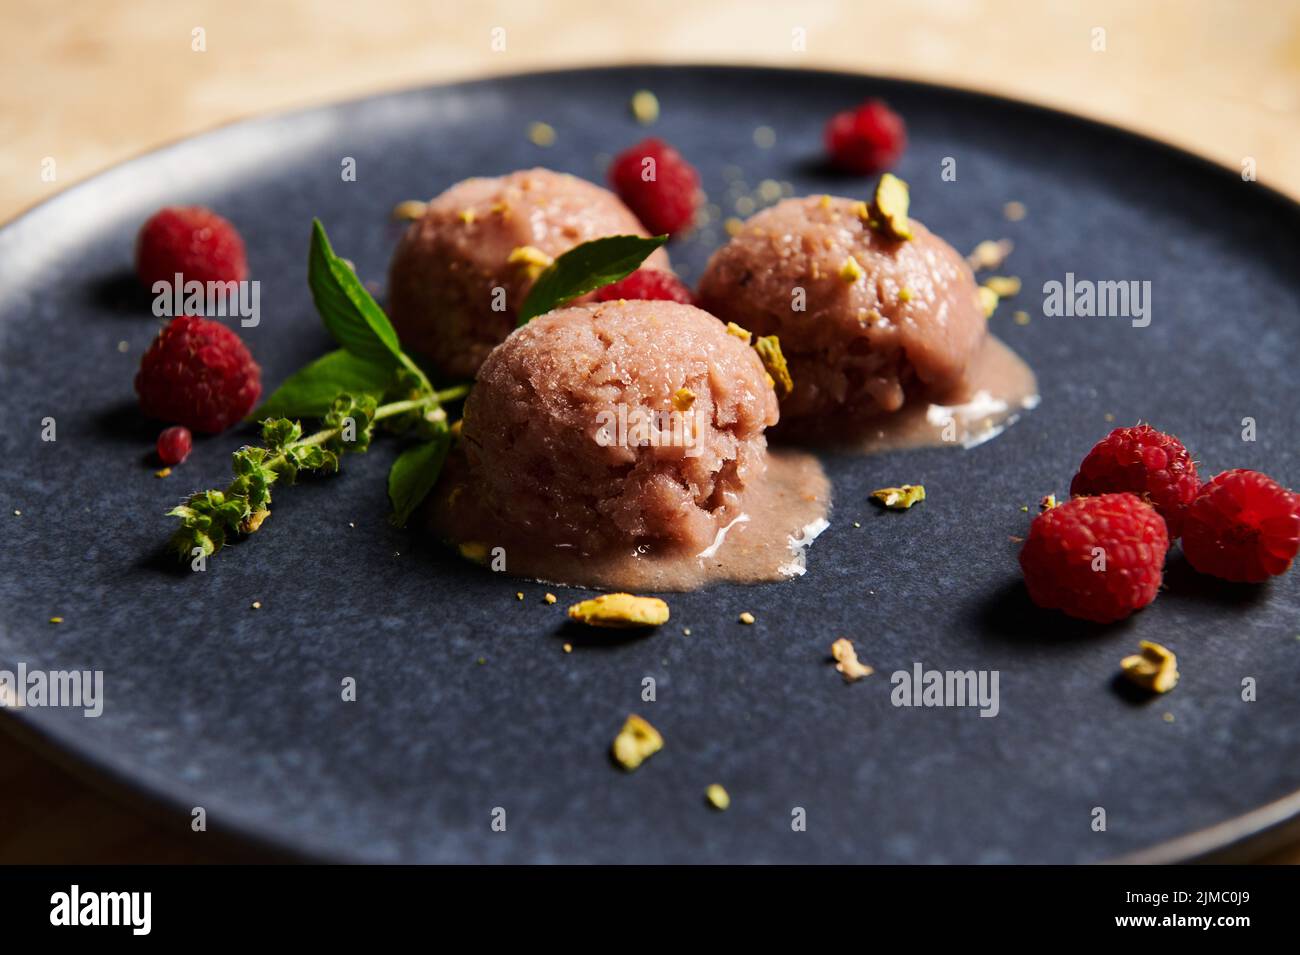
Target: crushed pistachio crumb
549 598
56 620
620 610
905 294
746 618
718 797
861 210
1004 286
846 661
533 259
899 498
541 134
1153 668
475 551
256 605
890 207
769 350
636 742
165 472
742 333
988 300
410 210
1014 211
568 648
467 216
1047 503
1021 318
686 632
825 201
850 271
990 254
1168 717
683 398
645 107
519 595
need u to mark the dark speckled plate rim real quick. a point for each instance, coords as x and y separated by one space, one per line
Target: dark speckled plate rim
1238 839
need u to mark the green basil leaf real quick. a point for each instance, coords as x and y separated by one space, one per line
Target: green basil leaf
309 392
585 268
348 310
414 474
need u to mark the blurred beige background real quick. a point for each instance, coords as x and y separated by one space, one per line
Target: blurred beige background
93 82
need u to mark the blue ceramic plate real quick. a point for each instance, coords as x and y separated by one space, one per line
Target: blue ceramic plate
211 703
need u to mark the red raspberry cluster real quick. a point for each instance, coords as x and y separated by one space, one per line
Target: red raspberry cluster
1101 556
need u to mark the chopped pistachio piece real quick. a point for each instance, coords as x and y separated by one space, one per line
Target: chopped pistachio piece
549 598
846 661
742 333
645 107
1153 668
890 203
988 300
718 797
542 134
1047 503
636 743
1021 318
620 610
165 472
1004 286
475 551
990 254
899 498
683 398
533 259
861 211
467 216
850 271
746 618
410 210
905 294
769 350
825 201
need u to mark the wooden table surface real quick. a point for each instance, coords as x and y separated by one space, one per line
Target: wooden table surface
90 83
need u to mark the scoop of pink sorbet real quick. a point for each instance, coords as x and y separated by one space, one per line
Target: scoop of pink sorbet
453 292
551 434
865 321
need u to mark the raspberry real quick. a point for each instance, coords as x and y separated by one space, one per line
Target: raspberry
647 284
867 139
191 240
1096 558
664 193
1243 526
198 373
174 444
1149 463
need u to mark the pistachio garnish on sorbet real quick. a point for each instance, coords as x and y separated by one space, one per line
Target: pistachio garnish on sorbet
769 350
889 207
